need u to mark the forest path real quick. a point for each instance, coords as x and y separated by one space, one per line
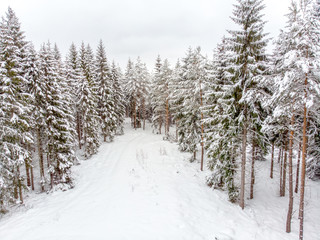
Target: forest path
138 187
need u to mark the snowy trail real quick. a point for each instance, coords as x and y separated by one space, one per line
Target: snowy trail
139 187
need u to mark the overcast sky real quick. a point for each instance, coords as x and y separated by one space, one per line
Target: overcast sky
132 28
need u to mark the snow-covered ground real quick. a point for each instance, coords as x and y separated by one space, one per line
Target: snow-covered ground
141 187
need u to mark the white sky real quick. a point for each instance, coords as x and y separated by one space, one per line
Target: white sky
132 28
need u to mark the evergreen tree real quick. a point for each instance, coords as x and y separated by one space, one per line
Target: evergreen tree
157 97
37 89
126 84
105 103
220 136
191 76
118 98
59 132
248 65
87 105
73 79
15 122
141 82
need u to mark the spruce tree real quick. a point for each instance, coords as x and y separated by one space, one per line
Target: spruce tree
105 103
37 89
191 75
248 66
118 98
220 136
15 109
59 131
87 105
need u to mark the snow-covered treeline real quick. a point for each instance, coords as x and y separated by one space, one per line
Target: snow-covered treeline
240 107
49 108
245 105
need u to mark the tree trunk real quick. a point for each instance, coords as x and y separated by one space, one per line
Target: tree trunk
243 162
298 169
32 178
202 128
252 166
167 118
41 164
272 160
280 153
79 129
19 185
303 162
49 166
144 113
134 115
281 170
289 216
284 169
27 173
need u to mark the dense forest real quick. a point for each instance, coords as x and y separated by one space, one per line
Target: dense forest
241 106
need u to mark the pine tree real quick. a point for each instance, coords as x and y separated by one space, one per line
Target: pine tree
118 98
131 95
222 142
105 103
59 131
141 90
37 89
249 64
191 76
73 80
157 97
87 105
15 122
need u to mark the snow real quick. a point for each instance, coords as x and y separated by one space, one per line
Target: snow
141 187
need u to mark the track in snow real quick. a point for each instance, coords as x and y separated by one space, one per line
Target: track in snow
138 187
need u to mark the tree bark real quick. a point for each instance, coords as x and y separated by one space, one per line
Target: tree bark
303 162
144 113
27 173
134 114
252 166
167 118
289 216
40 153
202 128
272 159
19 185
281 170
79 129
243 162
280 153
32 178
284 175
298 169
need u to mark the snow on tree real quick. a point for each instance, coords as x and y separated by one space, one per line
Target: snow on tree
128 85
156 97
248 67
73 79
118 98
141 82
191 75
15 109
176 99
161 95
59 131
105 101
87 105
221 140
37 89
